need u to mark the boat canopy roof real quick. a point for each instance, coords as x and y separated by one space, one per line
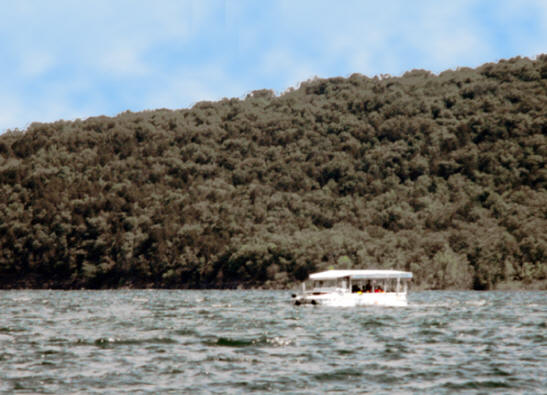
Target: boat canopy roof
360 274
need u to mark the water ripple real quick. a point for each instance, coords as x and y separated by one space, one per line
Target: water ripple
256 341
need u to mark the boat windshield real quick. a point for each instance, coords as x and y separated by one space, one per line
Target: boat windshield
380 285
347 284
327 285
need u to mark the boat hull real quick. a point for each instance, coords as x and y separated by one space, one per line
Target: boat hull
353 299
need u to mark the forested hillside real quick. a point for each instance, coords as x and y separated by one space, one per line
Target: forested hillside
443 175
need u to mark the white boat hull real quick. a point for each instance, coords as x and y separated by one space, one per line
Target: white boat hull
347 299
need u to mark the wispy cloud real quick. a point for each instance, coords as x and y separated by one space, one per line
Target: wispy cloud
123 60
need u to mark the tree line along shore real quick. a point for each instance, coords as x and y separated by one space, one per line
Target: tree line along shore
442 175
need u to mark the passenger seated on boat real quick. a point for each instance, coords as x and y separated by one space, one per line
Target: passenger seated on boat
378 289
355 289
367 288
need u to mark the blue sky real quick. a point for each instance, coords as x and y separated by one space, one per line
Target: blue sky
67 59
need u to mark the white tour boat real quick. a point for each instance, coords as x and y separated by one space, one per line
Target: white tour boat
355 288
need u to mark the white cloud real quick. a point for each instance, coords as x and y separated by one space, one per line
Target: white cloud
180 93
123 60
292 67
182 88
35 63
449 35
56 102
526 23
11 113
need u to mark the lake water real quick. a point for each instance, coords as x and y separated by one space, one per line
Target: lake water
150 341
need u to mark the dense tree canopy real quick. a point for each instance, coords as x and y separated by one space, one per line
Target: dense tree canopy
443 175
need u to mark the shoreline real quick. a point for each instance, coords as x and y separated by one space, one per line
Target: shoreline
517 286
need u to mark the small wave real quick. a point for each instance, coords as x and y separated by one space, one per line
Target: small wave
429 334
6 356
228 342
436 324
373 324
137 299
262 341
497 371
278 341
395 351
340 374
535 338
186 332
50 352
345 352
416 305
477 385
22 299
480 302
113 341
